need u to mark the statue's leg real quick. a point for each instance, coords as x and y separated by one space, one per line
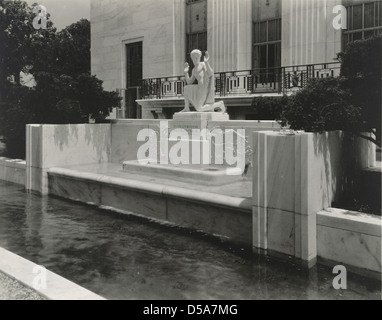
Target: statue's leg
220 106
207 108
186 100
186 105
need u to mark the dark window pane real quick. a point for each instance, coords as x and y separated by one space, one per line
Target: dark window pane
368 34
256 32
256 57
263 31
271 56
349 19
357 17
278 55
357 36
272 30
279 29
369 15
263 57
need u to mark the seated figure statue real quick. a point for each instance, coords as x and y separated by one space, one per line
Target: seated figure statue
202 94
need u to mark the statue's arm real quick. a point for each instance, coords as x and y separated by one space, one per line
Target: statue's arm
189 80
209 69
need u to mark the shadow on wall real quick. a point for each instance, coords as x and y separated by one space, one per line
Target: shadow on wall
100 140
343 156
84 141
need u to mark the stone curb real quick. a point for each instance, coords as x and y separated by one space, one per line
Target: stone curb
57 287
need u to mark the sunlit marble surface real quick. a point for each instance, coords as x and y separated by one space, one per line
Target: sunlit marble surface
352 238
295 176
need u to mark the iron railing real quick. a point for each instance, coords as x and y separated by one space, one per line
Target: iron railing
280 80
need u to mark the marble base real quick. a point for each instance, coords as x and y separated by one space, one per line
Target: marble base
199 116
216 214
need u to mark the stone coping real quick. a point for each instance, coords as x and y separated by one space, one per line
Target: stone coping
155 188
57 287
13 163
351 221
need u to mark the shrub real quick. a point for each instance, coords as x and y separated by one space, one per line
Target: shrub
323 105
268 108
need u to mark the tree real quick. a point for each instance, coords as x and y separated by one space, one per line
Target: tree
268 108
323 105
67 52
65 91
18 40
362 69
351 102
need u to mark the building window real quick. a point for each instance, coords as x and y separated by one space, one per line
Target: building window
364 21
267 44
196 27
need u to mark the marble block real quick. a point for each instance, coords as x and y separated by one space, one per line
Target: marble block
199 116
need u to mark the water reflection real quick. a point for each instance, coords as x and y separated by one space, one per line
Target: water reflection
124 257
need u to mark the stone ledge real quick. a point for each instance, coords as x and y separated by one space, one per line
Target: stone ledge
57 287
350 221
154 188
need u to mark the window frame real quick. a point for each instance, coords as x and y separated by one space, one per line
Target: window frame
350 33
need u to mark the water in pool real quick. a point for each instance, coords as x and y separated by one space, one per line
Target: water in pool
125 257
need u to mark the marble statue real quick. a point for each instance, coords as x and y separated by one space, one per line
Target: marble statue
202 94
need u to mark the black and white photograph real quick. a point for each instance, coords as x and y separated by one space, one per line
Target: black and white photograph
190 157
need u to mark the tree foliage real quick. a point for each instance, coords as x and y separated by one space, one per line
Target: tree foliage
268 108
351 102
65 91
323 105
18 39
362 69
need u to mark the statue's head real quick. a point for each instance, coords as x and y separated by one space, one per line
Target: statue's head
196 55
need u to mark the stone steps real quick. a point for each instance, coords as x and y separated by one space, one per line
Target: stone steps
211 175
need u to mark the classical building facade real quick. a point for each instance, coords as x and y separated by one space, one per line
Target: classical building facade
257 47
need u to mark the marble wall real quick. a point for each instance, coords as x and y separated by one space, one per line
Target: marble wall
124 134
352 238
158 24
294 176
12 170
63 145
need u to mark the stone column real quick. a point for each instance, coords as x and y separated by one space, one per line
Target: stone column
230 34
308 35
286 196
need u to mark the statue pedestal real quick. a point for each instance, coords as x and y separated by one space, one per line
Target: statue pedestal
201 149
189 153
199 116
196 120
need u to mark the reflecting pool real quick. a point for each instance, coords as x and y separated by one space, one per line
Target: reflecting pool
126 257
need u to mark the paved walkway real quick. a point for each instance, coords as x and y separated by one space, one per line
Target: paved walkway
13 290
